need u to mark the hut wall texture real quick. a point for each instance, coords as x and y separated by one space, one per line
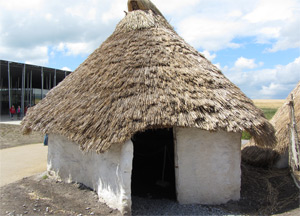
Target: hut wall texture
109 173
208 166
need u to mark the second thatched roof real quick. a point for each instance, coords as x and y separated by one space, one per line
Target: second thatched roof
260 155
144 76
281 120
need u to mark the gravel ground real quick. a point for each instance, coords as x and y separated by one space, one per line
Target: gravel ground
143 206
39 195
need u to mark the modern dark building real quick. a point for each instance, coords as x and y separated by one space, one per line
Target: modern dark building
25 85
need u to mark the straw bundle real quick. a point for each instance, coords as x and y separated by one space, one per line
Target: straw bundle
144 76
259 156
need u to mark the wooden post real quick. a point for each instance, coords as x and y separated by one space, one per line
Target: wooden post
42 82
9 85
23 91
294 139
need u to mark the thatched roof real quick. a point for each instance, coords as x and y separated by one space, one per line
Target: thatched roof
144 76
260 155
281 119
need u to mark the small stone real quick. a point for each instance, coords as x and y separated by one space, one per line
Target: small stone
25 212
24 206
92 213
88 208
47 209
34 209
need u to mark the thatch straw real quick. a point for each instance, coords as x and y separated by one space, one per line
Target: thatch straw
267 191
259 155
144 5
281 120
144 76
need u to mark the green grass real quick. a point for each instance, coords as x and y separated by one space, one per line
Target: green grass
246 135
269 113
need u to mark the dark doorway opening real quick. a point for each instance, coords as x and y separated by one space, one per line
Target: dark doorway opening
153 173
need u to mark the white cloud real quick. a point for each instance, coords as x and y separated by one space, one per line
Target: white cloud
37 55
209 56
265 83
21 5
271 10
76 27
74 49
213 25
218 65
242 63
288 36
178 7
209 33
272 90
26 26
114 11
66 69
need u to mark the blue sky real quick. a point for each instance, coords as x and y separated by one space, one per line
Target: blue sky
256 43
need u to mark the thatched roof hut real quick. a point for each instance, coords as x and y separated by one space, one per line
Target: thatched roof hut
158 111
144 76
261 156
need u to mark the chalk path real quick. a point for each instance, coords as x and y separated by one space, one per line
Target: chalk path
23 161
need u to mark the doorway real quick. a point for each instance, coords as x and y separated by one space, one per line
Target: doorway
153 173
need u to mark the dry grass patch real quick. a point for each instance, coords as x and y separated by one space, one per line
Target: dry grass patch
11 136
268 103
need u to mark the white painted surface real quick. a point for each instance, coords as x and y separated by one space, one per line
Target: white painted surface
208 166
109 174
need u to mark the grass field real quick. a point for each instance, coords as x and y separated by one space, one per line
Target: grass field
269 107
11 136
269 104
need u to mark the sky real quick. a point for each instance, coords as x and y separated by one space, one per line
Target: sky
255 43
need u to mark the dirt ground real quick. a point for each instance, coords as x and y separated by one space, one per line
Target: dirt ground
11 136
22 161
39 195
263 192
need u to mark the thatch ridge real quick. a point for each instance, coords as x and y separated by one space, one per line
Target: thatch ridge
144 76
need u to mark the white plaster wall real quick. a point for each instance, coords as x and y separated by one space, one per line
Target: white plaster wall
109 174
207 166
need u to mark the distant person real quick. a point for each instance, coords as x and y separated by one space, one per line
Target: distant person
19 112
46 140
26 109
12 112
